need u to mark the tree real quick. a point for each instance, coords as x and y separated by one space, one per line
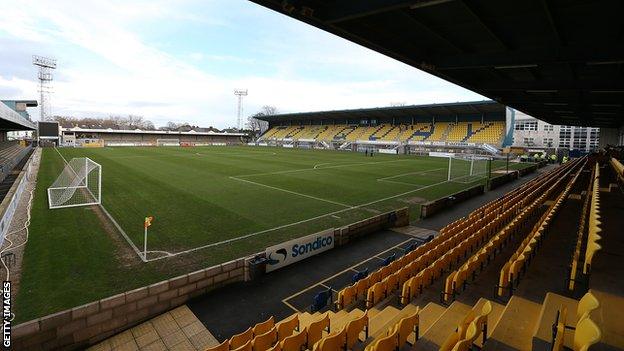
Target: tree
398 103
258 126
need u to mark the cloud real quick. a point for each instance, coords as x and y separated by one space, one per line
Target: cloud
110 62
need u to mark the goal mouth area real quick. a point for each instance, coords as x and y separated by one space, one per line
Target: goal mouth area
78 184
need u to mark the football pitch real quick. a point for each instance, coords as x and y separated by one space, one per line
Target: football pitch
210 205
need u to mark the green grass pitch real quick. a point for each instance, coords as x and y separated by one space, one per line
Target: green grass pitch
210 204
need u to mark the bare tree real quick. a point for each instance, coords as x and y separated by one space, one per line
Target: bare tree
257 125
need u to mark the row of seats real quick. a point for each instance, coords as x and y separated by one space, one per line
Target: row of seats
418 269
576 255
8 150
517 263
505 225
586 331
477 132
618 168
594 223
264 336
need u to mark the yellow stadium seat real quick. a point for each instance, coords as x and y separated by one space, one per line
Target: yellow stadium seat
586 334
449 286
374 277
315 330
238 340
387 343
263 327
285 328
333 342
346 296
276 347
406 326
224 346
588 303
265 341
361 287
295 342
391 283
354 328
375 294
245 347
450 342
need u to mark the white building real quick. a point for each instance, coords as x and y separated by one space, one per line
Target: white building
532 132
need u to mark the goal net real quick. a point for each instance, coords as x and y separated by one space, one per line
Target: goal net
79 184
167 142
467 169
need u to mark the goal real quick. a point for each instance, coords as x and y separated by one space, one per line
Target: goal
79 184
467 168
167 142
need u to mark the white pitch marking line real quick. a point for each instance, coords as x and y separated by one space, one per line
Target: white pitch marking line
298 222
312 169
292 192
410 173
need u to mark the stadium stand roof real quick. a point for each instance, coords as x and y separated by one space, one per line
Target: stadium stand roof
560 61
140 131
11 119
430 110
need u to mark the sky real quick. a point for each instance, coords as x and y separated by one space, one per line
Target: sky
182 60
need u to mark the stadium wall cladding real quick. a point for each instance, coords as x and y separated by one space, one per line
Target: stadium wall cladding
88 324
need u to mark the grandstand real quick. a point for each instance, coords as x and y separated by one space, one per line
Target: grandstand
76 136
13 156
479 125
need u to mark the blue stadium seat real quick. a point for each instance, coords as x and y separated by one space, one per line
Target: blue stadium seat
321 300
389 259
359 275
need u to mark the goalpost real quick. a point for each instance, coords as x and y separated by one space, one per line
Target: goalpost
468 168
79 184
167 142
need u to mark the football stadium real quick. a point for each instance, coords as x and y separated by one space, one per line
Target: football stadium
489 224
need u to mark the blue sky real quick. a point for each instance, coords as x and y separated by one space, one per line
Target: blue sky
181 61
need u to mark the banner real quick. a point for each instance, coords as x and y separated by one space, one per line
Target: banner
441 154
295 250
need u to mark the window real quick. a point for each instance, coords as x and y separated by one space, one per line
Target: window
548 142
525 125
529 141
549 127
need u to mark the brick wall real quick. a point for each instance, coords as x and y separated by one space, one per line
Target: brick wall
398 218
87 324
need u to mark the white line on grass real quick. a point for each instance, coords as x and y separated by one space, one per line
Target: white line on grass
291 192
313 168
298 222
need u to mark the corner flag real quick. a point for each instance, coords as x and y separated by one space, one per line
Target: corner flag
148 221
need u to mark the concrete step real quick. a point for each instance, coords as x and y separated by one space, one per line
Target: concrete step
446 324
376 323
515 326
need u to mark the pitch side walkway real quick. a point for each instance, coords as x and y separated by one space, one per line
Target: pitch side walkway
233 309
